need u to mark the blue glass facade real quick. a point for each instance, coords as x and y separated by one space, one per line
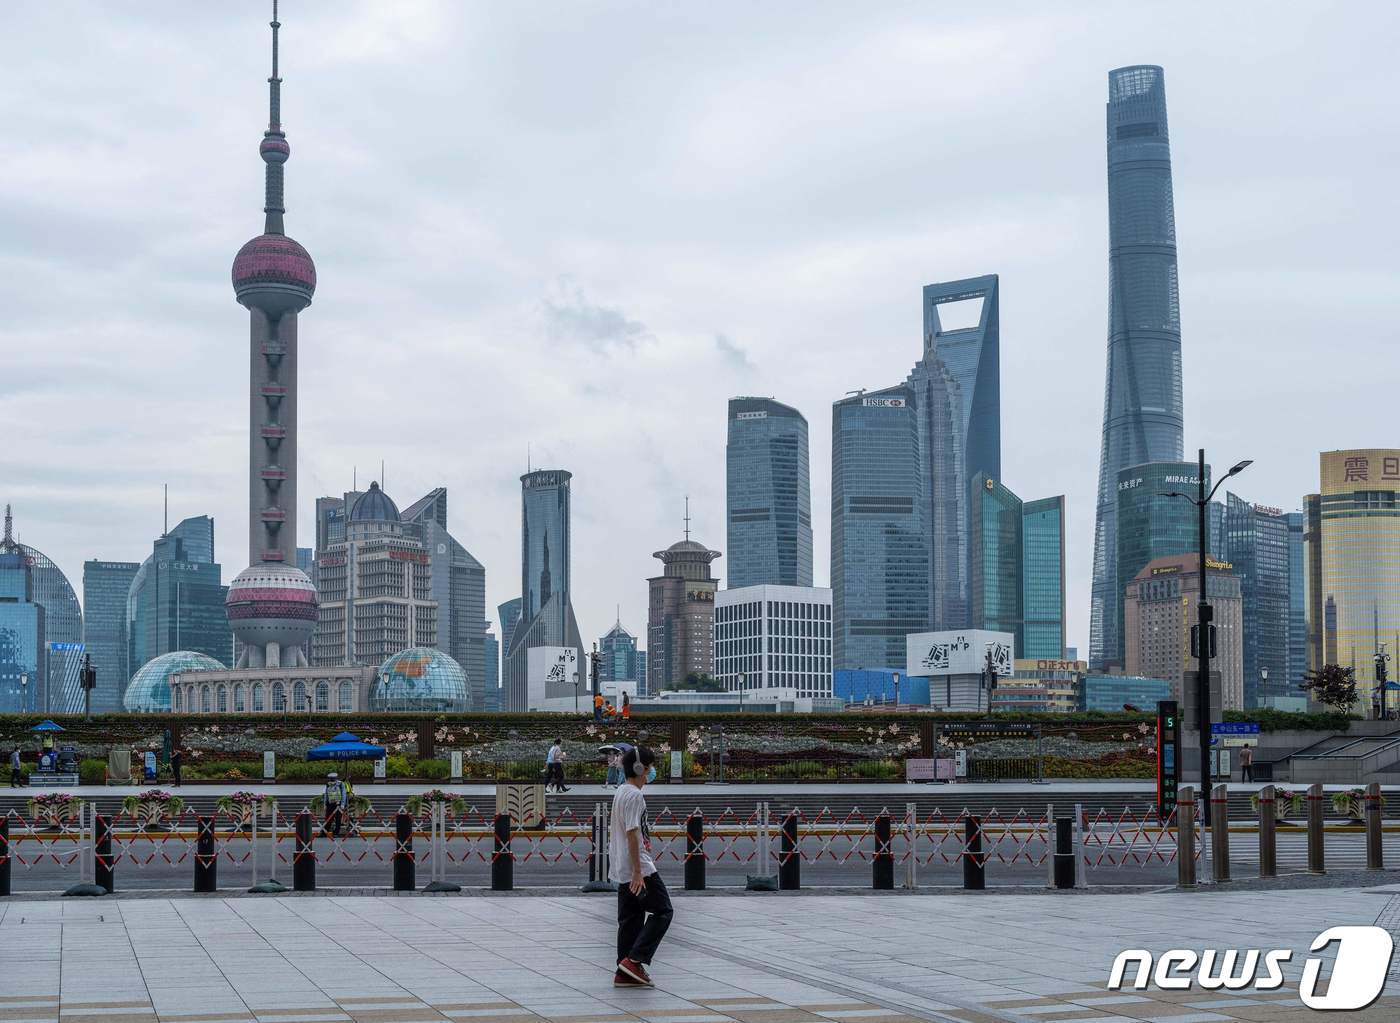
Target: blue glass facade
1149 526
492 660
956 388
1111 692
177 598
1043 578
1256 544
618 655
857 685
997 583
768 495
1142 419
106 585
879 547
23 659
544 539
1297 602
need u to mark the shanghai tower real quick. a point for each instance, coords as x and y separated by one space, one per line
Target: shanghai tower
1142 417
272 605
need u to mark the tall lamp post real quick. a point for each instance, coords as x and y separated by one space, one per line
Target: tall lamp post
743 681
896 690
24 692
1204 616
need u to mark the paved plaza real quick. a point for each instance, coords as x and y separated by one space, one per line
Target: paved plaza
971 958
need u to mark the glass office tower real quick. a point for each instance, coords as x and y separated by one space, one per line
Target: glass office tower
544 539
768 495
177 598
957 391
1256 544
1150 526
105 588
879 547
1297 603
23 660
1043 578
997 592
1142 420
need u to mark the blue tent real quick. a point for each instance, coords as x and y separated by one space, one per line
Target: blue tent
47 726
345 747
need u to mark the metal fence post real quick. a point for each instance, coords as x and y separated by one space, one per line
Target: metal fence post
304 855
206 862
1065 857
1374 858
790 861
502 860
1220 833
1051 838
1315 858
974 863
1081 872
695 852
1186 837
1268 832
103 865
5 854
911 866
882 864
405 870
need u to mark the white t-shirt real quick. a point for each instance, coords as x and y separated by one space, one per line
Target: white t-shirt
629 813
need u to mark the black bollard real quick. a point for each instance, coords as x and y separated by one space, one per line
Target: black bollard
303 855
882 866
104 873
405 868
1064 852
974 863
502 859
206 862
790 861
4 855
695 853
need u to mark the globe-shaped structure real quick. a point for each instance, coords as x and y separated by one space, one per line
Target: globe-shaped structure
272 604
274 273
149 689
420 679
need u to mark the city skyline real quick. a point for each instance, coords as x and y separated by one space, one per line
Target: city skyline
599 332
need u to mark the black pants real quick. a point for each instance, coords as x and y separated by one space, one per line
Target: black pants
1247 772
16 778
556 775
335 818
642 919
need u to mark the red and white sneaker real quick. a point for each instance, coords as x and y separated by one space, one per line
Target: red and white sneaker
635 970
621 979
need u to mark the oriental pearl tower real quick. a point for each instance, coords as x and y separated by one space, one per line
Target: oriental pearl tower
272 604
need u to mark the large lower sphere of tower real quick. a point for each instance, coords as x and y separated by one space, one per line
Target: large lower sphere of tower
272 604
274 273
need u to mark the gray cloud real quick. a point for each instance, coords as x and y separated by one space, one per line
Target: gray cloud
573 317
735 356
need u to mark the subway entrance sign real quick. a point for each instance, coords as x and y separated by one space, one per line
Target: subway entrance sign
1168 757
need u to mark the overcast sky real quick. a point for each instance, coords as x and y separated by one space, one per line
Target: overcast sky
583 227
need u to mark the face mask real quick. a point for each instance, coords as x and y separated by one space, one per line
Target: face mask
651 775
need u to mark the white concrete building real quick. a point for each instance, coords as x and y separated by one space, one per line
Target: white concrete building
774 638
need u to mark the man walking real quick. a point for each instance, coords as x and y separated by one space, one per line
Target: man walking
16 775
176 758
1247 763
643 904
335 802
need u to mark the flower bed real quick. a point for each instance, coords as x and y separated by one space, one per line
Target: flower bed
152 808
55 809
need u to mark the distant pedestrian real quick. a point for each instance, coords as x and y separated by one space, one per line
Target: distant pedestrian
1247 763
335 803
614 769
554 767
643 904
16 774
597 706
626 707
176 758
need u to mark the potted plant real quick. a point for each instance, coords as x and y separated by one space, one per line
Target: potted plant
151 809
1351 804
1287 803
55 809
242 805
417 804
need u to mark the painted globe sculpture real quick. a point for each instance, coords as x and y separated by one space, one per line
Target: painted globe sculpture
148 692
420 679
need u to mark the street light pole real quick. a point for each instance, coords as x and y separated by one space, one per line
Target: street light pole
743 680
896 690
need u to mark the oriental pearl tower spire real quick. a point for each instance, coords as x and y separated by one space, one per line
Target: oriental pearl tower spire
272 605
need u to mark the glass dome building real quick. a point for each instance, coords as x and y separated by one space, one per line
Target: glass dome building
149 689
420 679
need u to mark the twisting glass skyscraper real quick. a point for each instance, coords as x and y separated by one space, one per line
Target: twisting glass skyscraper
768 495
1142 419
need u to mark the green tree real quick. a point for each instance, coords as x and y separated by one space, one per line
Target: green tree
699 682
1332 686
